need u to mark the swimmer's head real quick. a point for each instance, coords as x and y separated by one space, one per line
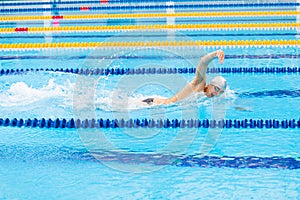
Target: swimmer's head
216 86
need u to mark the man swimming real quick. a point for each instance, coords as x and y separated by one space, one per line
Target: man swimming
216 86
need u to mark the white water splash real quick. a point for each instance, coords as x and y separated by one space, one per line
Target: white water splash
120 100
20 94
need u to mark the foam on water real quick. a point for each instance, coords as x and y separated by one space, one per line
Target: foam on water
22 94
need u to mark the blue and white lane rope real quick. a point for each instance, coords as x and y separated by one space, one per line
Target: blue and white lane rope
86 2
141 71
150 123
149 7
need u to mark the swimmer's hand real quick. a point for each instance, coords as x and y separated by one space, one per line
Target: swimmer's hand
149 101
156 101
220 54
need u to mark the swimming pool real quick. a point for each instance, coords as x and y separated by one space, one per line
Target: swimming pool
73 75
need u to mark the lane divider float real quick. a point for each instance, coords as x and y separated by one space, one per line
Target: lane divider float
151 123
156 27
126 7
28 3
31 3
167 44
97 2
153 15
142 71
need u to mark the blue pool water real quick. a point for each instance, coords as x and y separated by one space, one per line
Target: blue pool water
148 163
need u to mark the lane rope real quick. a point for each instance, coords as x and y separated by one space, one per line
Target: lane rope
142 71
157 27
99 2
199 43
126 7
153 15
128 57
151 123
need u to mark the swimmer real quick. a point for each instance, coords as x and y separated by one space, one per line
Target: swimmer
216 86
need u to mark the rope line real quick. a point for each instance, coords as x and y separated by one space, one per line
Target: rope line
150 34
152 57
142 71
153 15
147 21
145 7
99 1
117 28
199 43
150 123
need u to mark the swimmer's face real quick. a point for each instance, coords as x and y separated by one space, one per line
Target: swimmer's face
212 90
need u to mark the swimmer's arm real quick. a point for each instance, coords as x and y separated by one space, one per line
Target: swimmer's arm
200 76
204 62
185 92
165 101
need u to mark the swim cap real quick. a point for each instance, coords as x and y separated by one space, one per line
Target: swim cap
220 82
